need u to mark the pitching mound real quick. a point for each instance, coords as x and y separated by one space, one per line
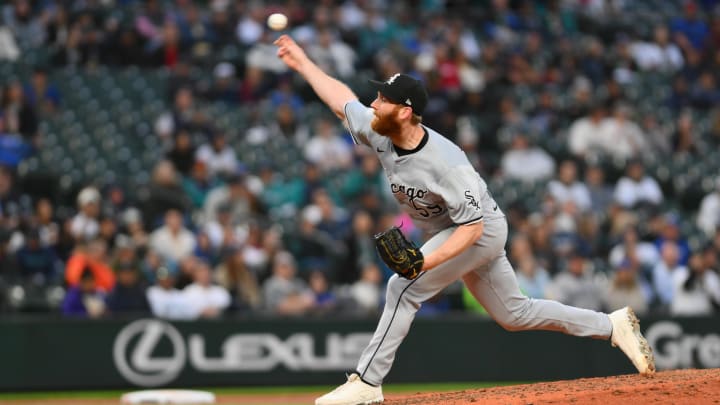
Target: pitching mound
667 387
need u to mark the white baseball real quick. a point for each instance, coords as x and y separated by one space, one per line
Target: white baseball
277 21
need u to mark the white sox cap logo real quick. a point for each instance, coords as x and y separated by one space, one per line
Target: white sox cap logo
142 368
392 78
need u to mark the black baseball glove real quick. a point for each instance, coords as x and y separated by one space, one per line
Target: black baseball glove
400 254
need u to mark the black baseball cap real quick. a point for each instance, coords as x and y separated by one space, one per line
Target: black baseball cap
403 89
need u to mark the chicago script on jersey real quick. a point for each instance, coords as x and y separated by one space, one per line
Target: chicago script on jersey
414 197
411 192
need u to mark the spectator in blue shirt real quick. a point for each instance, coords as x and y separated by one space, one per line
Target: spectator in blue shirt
37 263
39 93
690 27
128 296
85 299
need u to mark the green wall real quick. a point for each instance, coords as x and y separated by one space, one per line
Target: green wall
76 354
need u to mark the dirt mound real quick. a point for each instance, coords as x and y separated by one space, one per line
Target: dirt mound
667 387
683 387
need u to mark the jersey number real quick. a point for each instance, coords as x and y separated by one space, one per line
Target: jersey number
426 211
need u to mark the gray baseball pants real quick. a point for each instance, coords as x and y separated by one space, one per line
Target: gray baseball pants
490 277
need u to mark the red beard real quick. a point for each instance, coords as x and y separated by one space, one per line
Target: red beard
386 126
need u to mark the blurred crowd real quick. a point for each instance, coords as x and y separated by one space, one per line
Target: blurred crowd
574 112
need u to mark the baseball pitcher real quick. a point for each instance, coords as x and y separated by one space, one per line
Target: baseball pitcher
434 182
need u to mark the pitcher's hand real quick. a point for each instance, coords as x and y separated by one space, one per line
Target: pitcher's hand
290 53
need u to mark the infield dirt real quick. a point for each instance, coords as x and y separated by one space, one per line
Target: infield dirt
667 387
681 387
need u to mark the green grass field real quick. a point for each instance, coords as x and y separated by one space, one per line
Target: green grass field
389 388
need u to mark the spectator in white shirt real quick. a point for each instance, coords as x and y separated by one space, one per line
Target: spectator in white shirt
85 225
284 293
173 241
584 133
221 231
333 56
567 188
532 278
366 291
621 137
660 54
236 194
696 289
165 300
637 189
576 285
645 253
250 28
327 149
525 162
262 55
664 272
206 300
219 157
708 218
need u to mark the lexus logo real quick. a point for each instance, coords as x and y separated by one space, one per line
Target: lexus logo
141 357
134 358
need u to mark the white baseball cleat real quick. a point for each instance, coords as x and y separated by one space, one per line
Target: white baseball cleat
353 392
626 335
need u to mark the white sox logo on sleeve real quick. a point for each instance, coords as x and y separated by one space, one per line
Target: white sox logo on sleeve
471 200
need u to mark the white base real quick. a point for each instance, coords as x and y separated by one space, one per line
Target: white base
168 397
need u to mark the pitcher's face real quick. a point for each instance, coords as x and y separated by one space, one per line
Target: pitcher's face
386 121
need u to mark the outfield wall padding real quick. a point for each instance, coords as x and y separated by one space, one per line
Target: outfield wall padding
43 354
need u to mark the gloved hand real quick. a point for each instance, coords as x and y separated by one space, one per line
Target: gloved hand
400 254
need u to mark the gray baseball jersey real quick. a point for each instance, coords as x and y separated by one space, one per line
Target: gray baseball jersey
439 188
436 185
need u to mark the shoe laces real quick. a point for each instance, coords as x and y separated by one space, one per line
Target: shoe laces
352 377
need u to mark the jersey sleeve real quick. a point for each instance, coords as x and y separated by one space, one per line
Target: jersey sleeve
462 191
357 120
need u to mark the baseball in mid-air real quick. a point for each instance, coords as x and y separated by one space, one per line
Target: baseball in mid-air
277 21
